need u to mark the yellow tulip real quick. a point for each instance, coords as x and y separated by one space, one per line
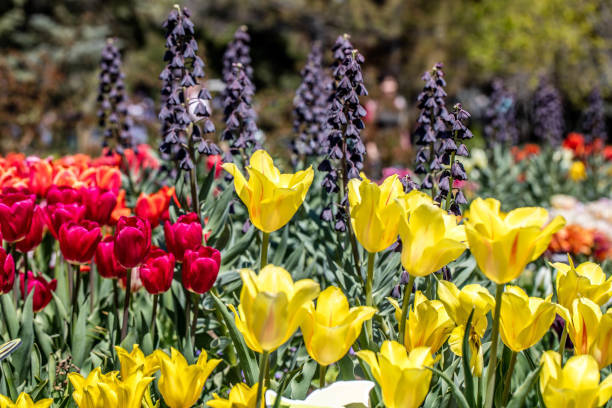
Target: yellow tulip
503 244
127 393
136 361
587 280
181 384
428 323
271 307
589 330
375 211
431 239
459 305
402 377
574 385
331 328
577 171
240 396
24 401
87 392
271 198
524 320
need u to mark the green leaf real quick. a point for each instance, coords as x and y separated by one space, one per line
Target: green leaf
299 387
81 340
21 358
207 184
233 252
7 348
247 360
468 378
461 401
519 396
10 315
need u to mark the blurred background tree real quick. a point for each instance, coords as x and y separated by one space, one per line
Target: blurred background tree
49 55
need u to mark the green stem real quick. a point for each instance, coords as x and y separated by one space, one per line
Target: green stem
322 371
368 289
563 341
508 380
92 279
265 238
154 316
75 292
196 310
493 353
264 362
405 307
126 305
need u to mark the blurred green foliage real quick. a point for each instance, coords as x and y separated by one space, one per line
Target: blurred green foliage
50 52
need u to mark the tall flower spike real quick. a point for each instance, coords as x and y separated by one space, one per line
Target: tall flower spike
185 111
345 124
112 110
548 113
593 119
500 117
310 106
238 113
434 129
454 171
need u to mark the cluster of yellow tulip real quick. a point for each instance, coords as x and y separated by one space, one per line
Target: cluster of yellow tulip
272 306
180 384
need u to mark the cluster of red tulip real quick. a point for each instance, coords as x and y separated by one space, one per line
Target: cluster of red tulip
577 144
78 200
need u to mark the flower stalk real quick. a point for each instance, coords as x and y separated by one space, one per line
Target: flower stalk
493 353
405 307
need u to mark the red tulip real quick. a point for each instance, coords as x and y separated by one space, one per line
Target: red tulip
42 290
184 234
59 214
16 212
108 266
157 271
7 272
78 241
99 204
41 176
211 161
154 207
132 241
200 269
35 235
64 195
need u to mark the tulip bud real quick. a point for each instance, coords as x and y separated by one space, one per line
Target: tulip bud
157 271
403 377
16 212
212 161
132 241
99 204
184 234
78 241
200 269
271 198
7 271
58 214
105 260
42 290
35 234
